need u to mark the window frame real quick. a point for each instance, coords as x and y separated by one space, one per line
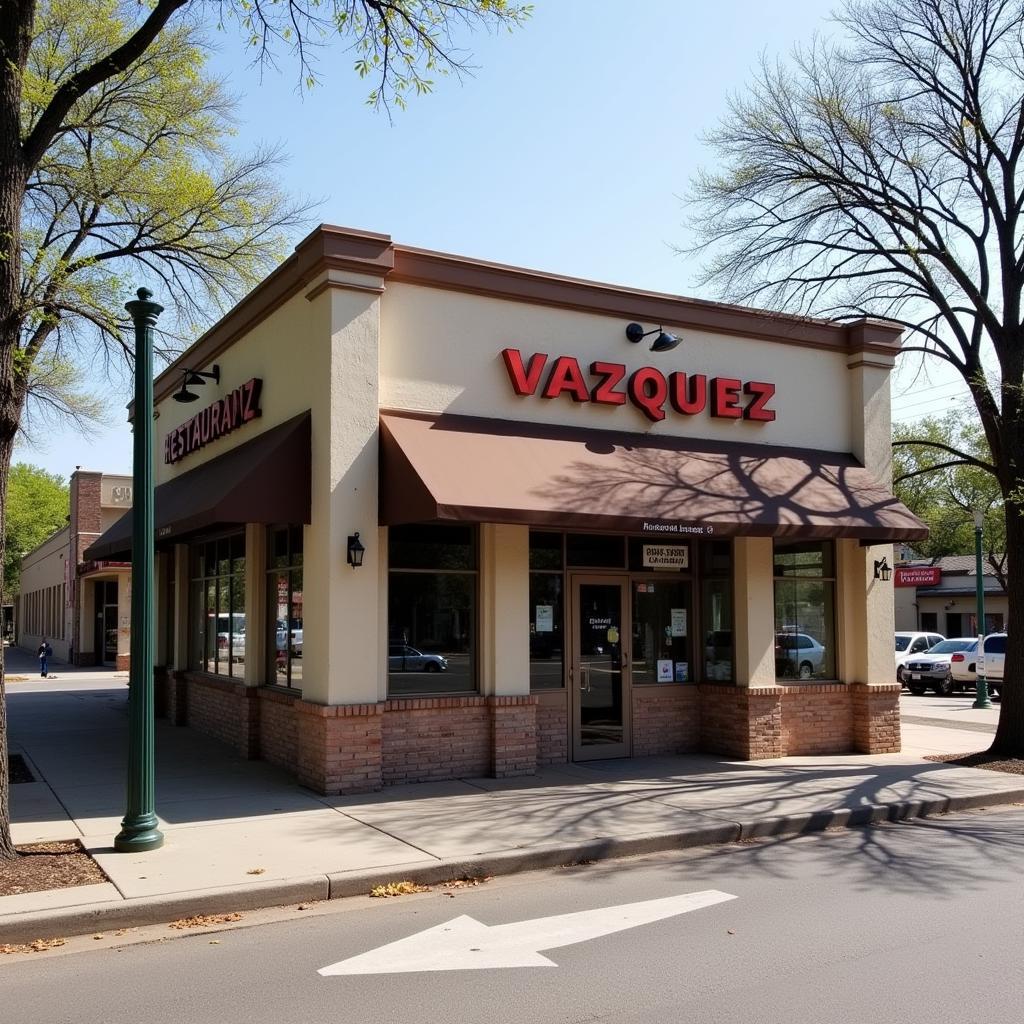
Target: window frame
199 584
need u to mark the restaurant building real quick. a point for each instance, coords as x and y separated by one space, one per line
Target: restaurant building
80 606
520 519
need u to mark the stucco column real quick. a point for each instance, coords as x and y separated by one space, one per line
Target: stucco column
504 611
341 655
754 628
866 614
255 604
179 658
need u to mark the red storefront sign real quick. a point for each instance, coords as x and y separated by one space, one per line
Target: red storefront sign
925 576
222 417
648 389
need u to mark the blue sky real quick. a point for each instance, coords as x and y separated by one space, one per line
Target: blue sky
567 151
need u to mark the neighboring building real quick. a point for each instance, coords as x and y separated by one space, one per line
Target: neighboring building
610 550
81 607
949 604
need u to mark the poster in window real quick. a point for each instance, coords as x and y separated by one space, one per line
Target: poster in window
678 622
544 618
664 670
682 671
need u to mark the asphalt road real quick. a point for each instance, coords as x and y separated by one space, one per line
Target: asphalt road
920 922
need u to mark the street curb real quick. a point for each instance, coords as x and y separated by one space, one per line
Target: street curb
27 926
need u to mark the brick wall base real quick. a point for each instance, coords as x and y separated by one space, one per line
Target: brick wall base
339 749
122 663
552 728
666 720
875 718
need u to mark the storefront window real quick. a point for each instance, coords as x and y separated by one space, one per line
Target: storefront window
805 610
217 606
661 631
716 611
432 616
284 596
546 611
595 551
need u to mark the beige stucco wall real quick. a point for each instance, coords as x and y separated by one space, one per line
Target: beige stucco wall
442 353
42 568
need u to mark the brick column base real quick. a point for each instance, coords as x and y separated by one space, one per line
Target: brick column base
744 722
876 718
176 698
513 735
122 663
338 747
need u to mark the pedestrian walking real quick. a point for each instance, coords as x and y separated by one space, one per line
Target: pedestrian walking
44 653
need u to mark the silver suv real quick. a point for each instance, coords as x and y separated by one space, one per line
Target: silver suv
992 660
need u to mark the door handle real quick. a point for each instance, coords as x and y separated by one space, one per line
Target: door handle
584 679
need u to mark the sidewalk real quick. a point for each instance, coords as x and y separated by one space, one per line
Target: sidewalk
241 834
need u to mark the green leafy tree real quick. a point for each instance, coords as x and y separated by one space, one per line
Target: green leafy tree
113 166
884 176
37 506
943 491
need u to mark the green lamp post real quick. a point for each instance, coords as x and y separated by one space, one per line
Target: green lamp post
138 829
981 685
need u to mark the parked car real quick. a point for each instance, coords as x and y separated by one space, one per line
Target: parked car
934 669
296 637
964 665
908 644
402 658
798 655
992 661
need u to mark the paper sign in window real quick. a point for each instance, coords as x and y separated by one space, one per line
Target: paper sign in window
678 622
544 618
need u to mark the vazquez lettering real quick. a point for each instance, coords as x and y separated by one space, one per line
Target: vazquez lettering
648 389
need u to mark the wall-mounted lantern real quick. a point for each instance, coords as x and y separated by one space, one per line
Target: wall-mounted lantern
355 551
883 571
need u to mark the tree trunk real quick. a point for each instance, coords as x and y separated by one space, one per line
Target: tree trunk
6 843
16 17
1009 739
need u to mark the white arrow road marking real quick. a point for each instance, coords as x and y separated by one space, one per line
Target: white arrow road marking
464 944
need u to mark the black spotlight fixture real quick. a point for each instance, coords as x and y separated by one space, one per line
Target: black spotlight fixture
194 377
883 571
662 343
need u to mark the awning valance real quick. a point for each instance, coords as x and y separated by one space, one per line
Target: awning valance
265 480
480 470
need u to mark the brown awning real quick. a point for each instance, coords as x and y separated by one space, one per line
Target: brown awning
480 470
265 480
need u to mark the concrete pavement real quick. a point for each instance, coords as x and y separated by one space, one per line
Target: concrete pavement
242 834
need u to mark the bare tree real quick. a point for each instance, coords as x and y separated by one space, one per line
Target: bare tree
881 176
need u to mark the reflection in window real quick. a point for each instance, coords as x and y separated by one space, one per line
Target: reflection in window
284 595
217 606
805 610
546 611
432 601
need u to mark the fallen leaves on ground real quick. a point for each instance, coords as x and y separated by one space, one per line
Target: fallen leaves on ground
256 871
52 865
465 882
398 889
204 920
35 946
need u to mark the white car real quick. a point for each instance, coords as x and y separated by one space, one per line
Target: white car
992 661
964 665
798 656
934 669
909 644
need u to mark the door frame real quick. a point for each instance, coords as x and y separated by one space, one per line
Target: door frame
599 752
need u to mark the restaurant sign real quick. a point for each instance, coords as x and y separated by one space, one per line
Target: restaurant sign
666 556
924 576
647 389
222 417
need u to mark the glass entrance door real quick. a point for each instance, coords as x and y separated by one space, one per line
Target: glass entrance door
599 674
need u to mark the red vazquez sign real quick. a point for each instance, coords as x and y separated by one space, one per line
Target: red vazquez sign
927 576
216 420
647 388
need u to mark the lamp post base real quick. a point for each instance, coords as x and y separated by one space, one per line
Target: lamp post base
138 836
981 699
